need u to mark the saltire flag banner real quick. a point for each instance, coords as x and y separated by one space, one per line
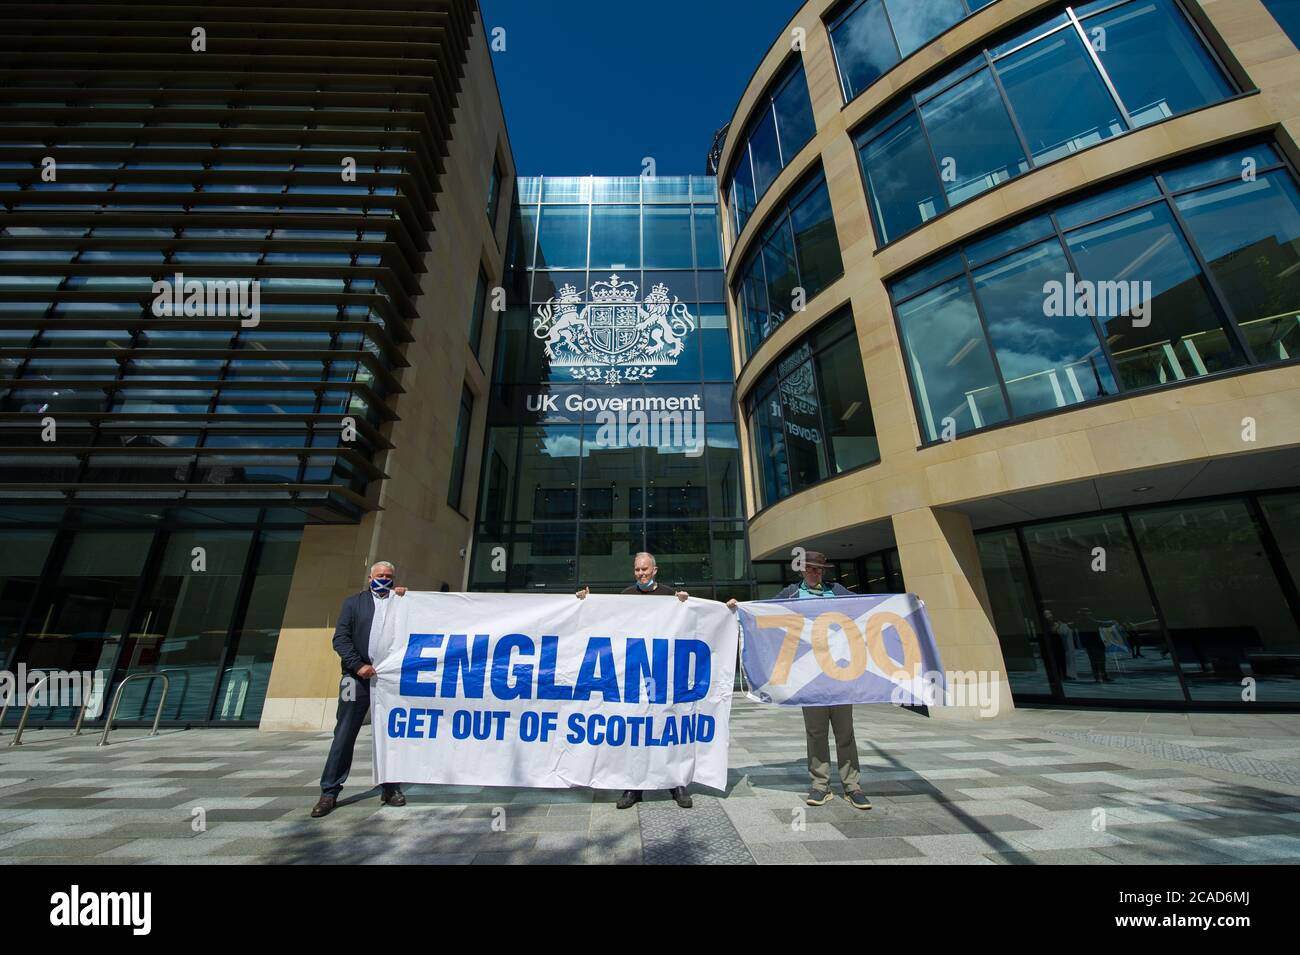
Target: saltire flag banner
611 692
824 651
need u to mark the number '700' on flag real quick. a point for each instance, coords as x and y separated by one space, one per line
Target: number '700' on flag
828 651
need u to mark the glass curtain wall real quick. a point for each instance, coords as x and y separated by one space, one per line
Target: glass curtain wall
201 604
1077 78
581 470
1191 602
1188 273
809 417
779 127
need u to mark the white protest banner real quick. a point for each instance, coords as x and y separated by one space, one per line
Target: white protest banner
611 692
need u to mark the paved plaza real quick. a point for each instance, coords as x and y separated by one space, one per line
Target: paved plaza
1034 787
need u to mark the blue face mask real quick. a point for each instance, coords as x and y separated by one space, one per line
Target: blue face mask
381 585
645 587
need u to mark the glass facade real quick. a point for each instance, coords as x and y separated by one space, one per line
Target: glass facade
1124 606
599 445
796 256
1192 271
105 592
809 417
870 36
1077 78
780 126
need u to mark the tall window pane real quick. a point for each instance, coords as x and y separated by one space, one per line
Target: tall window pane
248 671
864 47
1058 62
612 475
1227 624
782 273
1159 321
742 192
768 441
1154 58
815 242
476 316
548 473
187 613
668 237
1103 626
794 118
956 388
754 291
562 238
902 184
615 237
1048 360
91 598
1016 617
708 238
456 485
801 409
764 151
723 451
850 431
973 137
1250 234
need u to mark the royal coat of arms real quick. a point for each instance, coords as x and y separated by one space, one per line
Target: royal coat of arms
616 337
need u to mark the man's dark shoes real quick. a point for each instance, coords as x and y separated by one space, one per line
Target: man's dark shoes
324 806
858 799
394 798
817 797
629 798
681 796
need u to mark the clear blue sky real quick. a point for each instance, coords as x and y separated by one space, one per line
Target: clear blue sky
592 87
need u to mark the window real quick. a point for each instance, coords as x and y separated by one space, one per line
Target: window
461 448
810 416
616 237
797 257
476 316
1108 295
781 125
1196 599
562 237
494 192
1027 100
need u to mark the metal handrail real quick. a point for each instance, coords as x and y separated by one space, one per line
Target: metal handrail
117 699
27 710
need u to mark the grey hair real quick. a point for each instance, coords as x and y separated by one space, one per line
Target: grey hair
645 553
384 563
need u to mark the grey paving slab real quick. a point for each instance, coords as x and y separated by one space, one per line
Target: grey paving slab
1023 789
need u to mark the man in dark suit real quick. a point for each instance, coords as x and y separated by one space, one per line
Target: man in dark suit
361 618
644 570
